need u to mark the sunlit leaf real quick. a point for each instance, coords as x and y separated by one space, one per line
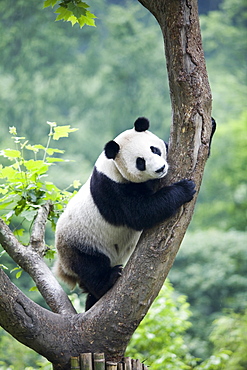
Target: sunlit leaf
33 289
7 172
63 14
76 184
18 275
62 131
38 167
53 160
19 232
3 266
34 148
12 130
50 253
11 153
51 151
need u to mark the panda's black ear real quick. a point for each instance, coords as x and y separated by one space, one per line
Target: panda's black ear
111 149
141 124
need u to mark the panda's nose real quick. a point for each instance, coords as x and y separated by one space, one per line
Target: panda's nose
161 169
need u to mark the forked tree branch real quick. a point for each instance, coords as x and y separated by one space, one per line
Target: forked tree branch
33 264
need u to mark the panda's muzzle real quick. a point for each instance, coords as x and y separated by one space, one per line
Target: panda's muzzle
161 169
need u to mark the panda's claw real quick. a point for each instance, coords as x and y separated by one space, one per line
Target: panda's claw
116 272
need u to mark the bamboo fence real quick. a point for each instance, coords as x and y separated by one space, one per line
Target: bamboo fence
96 361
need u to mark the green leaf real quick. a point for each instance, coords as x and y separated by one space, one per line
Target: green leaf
52 160
63 14
11 153
14 269
29 215
8 172
33 289
50 253
83 5
73 20
34 148
37 167
77 11
89 19
3 190
19 232
2 253
76 184
10 199
3 266
51 151
49 3
12 130
18 275
62 131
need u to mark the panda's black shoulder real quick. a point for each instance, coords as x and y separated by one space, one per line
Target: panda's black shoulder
112 198
100 183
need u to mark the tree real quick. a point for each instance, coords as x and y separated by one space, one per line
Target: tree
62 333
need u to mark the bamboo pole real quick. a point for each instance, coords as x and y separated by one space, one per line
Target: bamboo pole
86 361
75 363
127 363
111 365
120 366
136 365
99 361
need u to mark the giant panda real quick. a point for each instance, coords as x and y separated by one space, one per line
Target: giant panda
102 223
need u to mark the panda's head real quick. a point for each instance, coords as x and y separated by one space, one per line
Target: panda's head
137 154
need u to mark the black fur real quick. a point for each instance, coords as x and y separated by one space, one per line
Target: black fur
95 272
135 204
212 134
140 164
141 124
155 150
111 149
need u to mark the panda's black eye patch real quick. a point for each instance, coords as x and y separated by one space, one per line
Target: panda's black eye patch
140 164
155 150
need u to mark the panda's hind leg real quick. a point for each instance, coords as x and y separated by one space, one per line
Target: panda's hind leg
90 301
95 274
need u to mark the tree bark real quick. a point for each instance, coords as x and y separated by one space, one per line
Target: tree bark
108 326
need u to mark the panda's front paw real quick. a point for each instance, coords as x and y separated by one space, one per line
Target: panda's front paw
188 187
116 272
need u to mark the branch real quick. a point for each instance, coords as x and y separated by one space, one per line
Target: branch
34 265
37 239
34 326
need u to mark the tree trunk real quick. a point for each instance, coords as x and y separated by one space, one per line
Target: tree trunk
109 325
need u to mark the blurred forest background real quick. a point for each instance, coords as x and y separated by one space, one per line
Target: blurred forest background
100 80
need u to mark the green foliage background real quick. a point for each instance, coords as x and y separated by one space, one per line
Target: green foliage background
99 81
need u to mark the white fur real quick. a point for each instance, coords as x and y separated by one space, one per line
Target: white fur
82 221
133 145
